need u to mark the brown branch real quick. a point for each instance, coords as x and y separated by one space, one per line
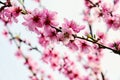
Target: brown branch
28 44
102 75
18 46
91 3
2 3
92 41
100 45
6 4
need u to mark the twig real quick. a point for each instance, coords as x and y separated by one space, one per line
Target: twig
90 28
28 44
103 77
18 46
2 3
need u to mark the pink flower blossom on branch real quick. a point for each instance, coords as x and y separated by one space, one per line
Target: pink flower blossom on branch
5 33
72 25
18 53
34 20
84 46
10 14
50 18
5 16
43 40
113 22
72 45
51 57
49 32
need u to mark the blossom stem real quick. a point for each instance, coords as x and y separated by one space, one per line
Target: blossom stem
92 3
10 33
23 6
90 28
102 75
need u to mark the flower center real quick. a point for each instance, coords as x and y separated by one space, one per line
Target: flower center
36 18
17 10
47 21
66 35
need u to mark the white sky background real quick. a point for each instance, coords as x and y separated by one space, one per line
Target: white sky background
12 69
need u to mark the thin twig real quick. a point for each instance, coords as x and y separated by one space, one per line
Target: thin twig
28 44
103 77
18 46
90 28
12 36
2 3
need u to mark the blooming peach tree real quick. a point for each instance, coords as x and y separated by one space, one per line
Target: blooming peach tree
84 48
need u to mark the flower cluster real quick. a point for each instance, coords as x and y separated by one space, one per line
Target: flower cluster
10 14
44 24
105 10
51 57
40 19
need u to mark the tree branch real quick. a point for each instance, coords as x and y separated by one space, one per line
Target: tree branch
18 46
102 75
100 45
2 3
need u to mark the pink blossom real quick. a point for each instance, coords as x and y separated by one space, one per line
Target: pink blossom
50 18
69 69
18 54
86 66
94 63
34 20
86 78
113 22
72 45
110 21
51 57
72 24
107 8
51 33
15 12
5 33
116 1
32 65
101 37
88 4
65 36
97 50
44 41
10 14
50 77
33 78
115 45
96 70
6 16
84 46
93 59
